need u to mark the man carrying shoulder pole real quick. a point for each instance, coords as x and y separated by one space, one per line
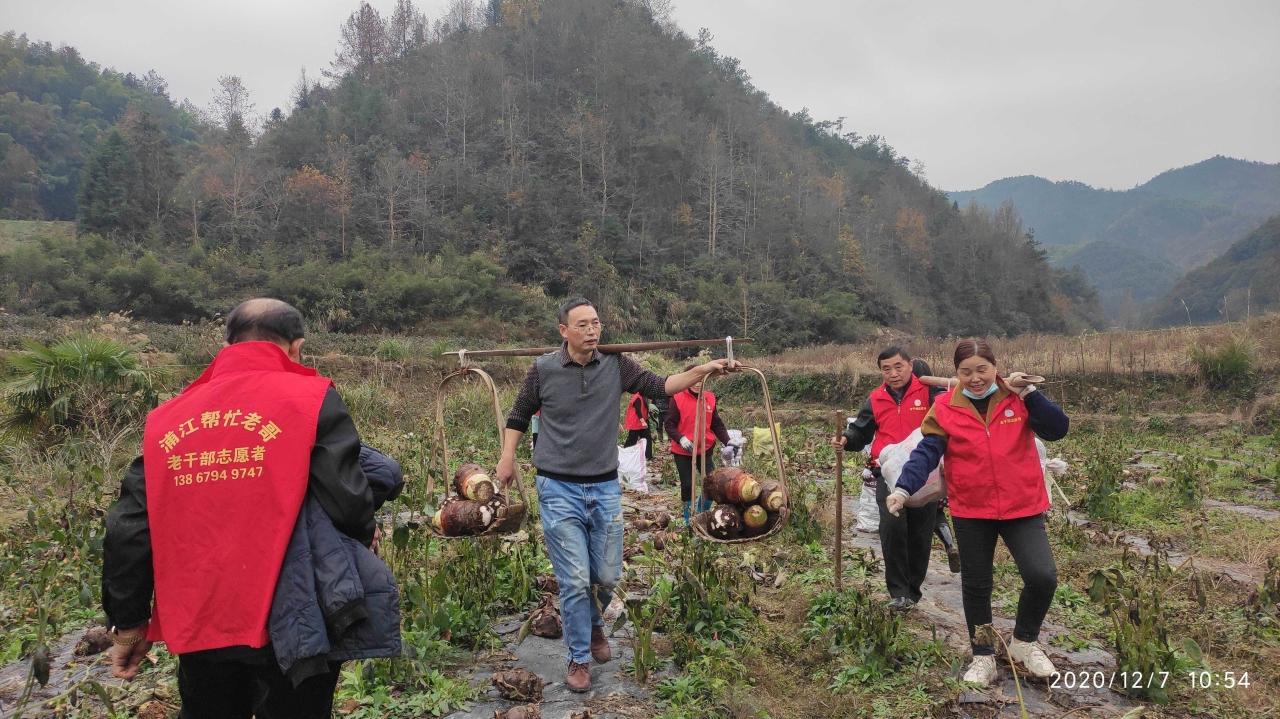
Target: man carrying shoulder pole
578 390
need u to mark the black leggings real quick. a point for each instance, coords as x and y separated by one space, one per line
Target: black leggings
214 689
635 435
685 464
1029 544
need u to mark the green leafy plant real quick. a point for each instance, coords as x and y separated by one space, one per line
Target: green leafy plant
391 350
1190 473
1228 367
1103 470
1129 593
859 627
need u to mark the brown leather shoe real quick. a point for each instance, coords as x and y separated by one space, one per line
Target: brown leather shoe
578 677
600 645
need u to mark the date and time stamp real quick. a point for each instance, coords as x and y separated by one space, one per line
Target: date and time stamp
1121 681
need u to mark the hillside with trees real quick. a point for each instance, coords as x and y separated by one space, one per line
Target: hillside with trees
1239 283
462 175
55 109
1133 245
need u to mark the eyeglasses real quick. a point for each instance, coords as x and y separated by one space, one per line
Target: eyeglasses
584 326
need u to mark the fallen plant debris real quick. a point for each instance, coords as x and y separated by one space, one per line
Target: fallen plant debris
519 685
547 583
95 641
544 620
520 711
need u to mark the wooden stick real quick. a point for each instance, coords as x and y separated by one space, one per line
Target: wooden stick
605 349
1016 383
838 549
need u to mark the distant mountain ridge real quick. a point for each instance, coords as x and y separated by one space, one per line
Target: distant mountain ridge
1239 282
1134 244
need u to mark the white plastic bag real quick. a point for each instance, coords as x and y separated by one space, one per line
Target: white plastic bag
632 469
736 441
894 457
868 511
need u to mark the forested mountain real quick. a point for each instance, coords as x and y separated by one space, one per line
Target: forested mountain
460 176
1240 282
1133 245
54 109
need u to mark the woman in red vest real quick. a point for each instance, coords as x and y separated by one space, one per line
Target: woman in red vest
682 413
893 411
995 485
636 422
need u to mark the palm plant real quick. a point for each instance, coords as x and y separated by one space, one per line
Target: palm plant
76 383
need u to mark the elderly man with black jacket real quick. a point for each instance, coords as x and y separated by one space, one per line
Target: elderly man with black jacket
197 541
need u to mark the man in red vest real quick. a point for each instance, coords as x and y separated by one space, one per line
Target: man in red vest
893 411
195 543
636 422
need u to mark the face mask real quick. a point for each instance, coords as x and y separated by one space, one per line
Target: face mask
991 389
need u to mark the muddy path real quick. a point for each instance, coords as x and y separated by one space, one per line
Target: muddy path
75 657
941 608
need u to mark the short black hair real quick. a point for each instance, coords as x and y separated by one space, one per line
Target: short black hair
569 305
890 352
264 319
920 368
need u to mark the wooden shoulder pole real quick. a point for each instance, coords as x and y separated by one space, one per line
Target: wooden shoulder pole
837 548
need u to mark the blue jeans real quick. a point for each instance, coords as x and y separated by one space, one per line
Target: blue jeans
582 524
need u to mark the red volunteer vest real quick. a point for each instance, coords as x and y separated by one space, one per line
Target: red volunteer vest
993 472
686 403
637 413
895 421
226 464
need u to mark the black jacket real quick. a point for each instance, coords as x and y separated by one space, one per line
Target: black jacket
336 481
335 599
862 429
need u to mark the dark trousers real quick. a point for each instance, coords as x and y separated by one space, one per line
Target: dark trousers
1029 545
685 465
230 689
635 435
905 542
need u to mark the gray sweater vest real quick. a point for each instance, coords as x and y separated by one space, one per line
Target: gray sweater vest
578 433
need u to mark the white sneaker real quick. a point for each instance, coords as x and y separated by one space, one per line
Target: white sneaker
982 670
1032 658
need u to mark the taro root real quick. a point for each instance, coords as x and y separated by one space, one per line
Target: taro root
472 482
772 497
520 711
659 541
544 620
459 517
661 519
755 527
731 485
754 517
519 685
641 524
725 521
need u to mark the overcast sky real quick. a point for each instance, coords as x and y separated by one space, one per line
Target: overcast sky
1107 92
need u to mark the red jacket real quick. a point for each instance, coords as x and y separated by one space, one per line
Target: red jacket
993 470
637 413
895 421
686 404
226 465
